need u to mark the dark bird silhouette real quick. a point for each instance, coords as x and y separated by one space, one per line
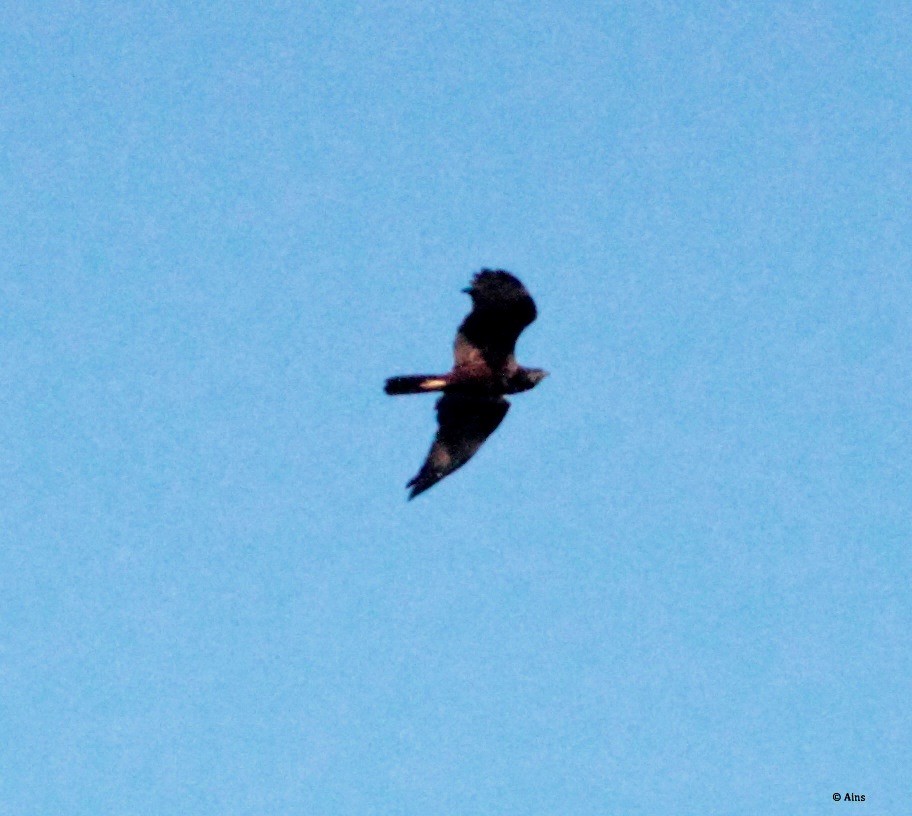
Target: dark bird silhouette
484 370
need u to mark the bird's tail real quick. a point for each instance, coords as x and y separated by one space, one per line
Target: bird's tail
415 384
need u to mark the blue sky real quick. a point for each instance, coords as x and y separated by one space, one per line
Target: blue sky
676 580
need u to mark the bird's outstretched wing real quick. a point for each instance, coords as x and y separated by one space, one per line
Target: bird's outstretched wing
464 422
501 309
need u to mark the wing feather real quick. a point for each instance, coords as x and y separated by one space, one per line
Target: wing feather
464 423
501 309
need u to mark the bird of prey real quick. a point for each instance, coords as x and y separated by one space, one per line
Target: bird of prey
484 370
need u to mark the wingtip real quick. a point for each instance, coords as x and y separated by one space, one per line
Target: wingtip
418 487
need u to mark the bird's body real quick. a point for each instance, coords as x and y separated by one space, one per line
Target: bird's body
484 371
478 381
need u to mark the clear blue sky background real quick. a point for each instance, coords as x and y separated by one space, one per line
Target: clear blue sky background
676 580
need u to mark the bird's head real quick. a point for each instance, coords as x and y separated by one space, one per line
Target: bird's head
527 378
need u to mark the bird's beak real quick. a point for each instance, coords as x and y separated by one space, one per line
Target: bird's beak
468 290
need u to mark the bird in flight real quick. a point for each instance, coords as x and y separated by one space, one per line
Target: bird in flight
484 370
